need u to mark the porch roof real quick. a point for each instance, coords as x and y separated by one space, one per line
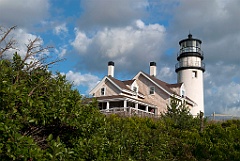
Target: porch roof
122 98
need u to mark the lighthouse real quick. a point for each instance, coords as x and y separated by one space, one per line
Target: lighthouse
190 69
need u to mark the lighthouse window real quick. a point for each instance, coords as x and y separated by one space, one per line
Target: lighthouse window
189 43
194 74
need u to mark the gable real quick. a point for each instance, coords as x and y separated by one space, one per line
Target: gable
145 85
158 83
105 83
110 89
113 87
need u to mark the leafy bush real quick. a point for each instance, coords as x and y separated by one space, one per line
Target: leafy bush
43 118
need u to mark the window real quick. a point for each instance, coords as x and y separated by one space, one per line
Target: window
194 74
189 43
183 93
102 91
135 89
151 90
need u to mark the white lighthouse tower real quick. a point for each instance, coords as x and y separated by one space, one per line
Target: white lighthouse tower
190 70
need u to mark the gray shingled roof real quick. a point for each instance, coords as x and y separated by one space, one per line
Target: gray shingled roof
166 86
163 84
121 84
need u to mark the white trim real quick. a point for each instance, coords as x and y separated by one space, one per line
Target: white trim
94 90
182 90
170 94
153 82
104 91
123 90
147 108
128 100
184 99
102 82
136 105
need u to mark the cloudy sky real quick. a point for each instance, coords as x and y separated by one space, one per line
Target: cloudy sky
89 33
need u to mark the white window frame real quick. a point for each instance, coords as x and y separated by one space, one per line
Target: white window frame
135 88
151 92
183 93
104 91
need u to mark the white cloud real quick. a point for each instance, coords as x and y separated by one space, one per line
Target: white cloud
221 90
61 52
224 99
79 79
81 42
129 46
23 13
166 74
22 39
216 22
60 29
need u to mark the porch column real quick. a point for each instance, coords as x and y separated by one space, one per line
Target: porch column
147 108
136 105
124 104
107 107
155 111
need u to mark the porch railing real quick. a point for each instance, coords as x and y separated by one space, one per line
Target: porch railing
128 111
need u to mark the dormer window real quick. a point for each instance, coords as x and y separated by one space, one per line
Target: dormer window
135 89
183 93
152 90
103 90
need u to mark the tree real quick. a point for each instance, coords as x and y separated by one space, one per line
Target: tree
34 104
178 114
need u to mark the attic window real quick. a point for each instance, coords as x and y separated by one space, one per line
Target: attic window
152 90
103 91
135 89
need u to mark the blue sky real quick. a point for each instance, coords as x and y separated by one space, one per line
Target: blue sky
89 33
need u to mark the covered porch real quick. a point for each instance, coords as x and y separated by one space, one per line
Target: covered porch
123 103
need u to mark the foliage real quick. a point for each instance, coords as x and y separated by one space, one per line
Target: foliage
43 118
178 115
